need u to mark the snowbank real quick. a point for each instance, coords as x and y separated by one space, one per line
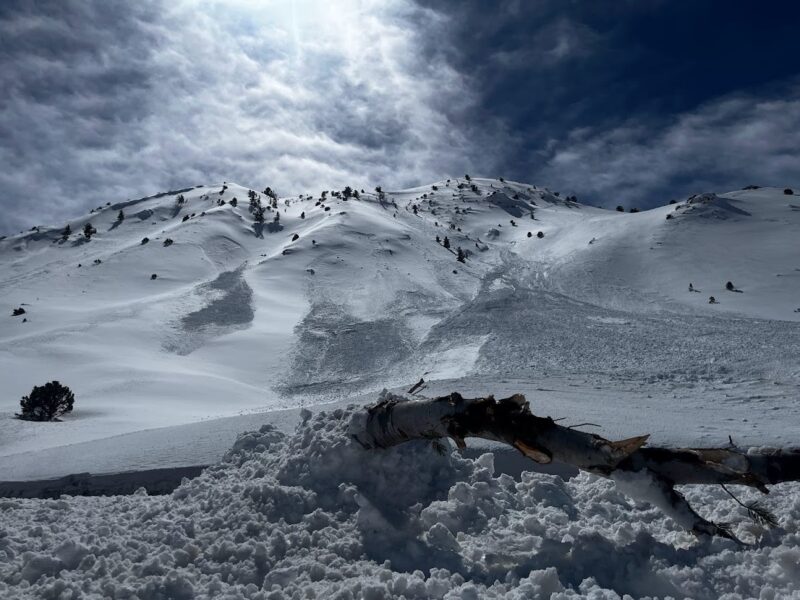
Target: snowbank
312 515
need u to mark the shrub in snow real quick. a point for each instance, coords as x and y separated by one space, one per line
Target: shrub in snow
234 202
185 218
168 242
669 217
634 210
712 300
18 311
120 216
303 215
88 231
446 242
467 177
46 402
145 240
788 191
540 234
295 237
460 257
729 286
67 232
530 234
153 276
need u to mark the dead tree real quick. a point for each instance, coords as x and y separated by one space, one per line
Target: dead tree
634 467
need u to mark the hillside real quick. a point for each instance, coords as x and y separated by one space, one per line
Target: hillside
347 296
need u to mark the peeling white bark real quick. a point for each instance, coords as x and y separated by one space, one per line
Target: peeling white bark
395 420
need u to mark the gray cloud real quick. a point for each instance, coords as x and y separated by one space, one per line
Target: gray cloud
108 100
725 144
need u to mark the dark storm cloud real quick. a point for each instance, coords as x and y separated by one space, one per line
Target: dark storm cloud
75 78
585 91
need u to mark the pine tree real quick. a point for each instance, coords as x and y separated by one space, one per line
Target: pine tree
121 216
88 231
461 257
67 232
446 242
46 402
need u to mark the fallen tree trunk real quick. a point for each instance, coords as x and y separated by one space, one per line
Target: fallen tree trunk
395 420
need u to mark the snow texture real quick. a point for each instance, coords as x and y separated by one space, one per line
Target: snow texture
595 317
313 515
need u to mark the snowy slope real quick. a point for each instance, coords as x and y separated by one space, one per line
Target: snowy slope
244 318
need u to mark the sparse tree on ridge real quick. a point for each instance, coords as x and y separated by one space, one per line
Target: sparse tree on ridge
88 231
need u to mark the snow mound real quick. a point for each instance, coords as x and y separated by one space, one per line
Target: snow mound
712 206
313 515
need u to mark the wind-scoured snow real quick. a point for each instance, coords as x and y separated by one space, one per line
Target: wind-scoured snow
313 515
586 311
349 296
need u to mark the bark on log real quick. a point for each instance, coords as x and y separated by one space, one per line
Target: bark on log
395 420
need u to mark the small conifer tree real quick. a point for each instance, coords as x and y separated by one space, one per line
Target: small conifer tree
46 402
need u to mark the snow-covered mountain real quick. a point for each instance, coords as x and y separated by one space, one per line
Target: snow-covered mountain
332 296
219 320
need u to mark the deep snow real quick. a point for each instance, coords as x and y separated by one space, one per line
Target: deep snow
243 319
313 515
245 325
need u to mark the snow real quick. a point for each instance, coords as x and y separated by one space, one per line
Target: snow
311 514
246 327
239 322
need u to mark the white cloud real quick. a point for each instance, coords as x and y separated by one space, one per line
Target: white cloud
730 142
299 95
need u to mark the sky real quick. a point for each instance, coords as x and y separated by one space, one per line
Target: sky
625 102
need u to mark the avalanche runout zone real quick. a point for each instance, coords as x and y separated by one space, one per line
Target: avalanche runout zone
313 515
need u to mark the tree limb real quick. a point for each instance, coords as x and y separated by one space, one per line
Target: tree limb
395 420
